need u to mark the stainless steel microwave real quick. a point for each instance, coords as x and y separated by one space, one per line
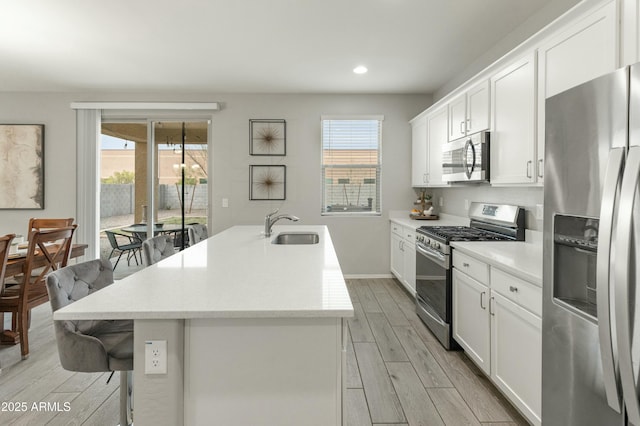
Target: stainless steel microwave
466 159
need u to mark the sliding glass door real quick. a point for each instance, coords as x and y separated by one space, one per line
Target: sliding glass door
153 180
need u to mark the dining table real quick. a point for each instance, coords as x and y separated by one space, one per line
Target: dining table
15 266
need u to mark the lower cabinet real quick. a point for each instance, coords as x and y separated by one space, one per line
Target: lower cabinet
403 255
498 324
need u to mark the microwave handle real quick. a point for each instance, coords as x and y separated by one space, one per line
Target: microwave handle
468 170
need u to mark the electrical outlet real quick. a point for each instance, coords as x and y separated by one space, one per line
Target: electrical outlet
155 357
441 202
225 202
539 211
466 205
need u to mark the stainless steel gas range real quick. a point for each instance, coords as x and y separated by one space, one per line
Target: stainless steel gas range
488 222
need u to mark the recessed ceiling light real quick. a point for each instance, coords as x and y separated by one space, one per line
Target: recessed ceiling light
360 69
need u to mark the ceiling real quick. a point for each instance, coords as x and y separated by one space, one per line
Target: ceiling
248 46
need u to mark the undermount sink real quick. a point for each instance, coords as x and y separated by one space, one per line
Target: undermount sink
296 238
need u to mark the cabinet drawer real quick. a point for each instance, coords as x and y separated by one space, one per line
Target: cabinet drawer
519 291
473 267
409 234
397 229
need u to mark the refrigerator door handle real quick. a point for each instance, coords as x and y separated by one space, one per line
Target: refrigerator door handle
611 188
624 228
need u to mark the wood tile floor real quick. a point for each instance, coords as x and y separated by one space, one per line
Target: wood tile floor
397 374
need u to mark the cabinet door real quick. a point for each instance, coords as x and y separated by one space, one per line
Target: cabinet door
419 152
579 53
409 278
458 117
436 138
513 109
516 355
478 107
471 325
397 256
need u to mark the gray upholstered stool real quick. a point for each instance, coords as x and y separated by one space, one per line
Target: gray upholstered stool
197 233
92 345
157 248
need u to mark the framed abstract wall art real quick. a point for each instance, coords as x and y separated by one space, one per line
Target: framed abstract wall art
267 182
22 166
268 137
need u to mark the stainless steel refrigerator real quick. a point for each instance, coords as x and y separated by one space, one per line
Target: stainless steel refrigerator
591 309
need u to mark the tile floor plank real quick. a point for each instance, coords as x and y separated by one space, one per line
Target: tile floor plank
353 372
368 300
388 343
359 325
391 310
358 412
452 408
41 414
415 401
384 405
78 382
107 414
426 366
89 401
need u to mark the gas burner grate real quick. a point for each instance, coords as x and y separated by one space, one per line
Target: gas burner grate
461 233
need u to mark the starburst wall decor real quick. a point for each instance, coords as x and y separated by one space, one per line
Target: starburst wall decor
268 137
268 182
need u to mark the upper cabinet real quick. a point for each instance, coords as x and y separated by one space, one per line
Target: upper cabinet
428 133
436 138
579 53
419 151
469 112
508 98
512 142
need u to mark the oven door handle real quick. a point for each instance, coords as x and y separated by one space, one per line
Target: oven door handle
433 255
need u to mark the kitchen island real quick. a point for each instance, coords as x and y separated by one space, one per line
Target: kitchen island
255 331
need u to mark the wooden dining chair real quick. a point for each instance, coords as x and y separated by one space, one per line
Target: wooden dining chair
5 245
40 224
48 250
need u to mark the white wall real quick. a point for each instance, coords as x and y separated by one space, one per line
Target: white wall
361 243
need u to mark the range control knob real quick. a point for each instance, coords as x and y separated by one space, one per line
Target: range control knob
436 246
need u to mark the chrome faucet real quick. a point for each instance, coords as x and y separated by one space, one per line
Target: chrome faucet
269 221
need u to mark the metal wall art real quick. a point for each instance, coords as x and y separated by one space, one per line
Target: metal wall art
268 137
267 182
22 166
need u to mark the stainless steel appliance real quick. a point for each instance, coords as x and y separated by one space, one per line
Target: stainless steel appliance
466 159
488 222
591 327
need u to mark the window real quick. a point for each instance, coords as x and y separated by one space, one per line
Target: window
351 165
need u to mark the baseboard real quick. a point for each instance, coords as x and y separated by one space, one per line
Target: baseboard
366 276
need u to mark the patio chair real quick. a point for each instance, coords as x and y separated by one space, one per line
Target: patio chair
124 243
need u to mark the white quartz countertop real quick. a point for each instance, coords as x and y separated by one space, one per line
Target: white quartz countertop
522 259
237 273
443 220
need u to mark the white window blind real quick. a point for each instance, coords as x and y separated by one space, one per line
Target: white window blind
351 165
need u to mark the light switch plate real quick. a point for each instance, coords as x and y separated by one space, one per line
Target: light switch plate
155 357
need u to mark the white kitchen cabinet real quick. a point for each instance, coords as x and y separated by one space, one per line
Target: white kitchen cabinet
497 321
397 255
409 277
516 355
471 325
419 168
513 130
403 255
580 52
630 32
469 112
436 138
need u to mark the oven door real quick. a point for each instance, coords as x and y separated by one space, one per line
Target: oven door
433 282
